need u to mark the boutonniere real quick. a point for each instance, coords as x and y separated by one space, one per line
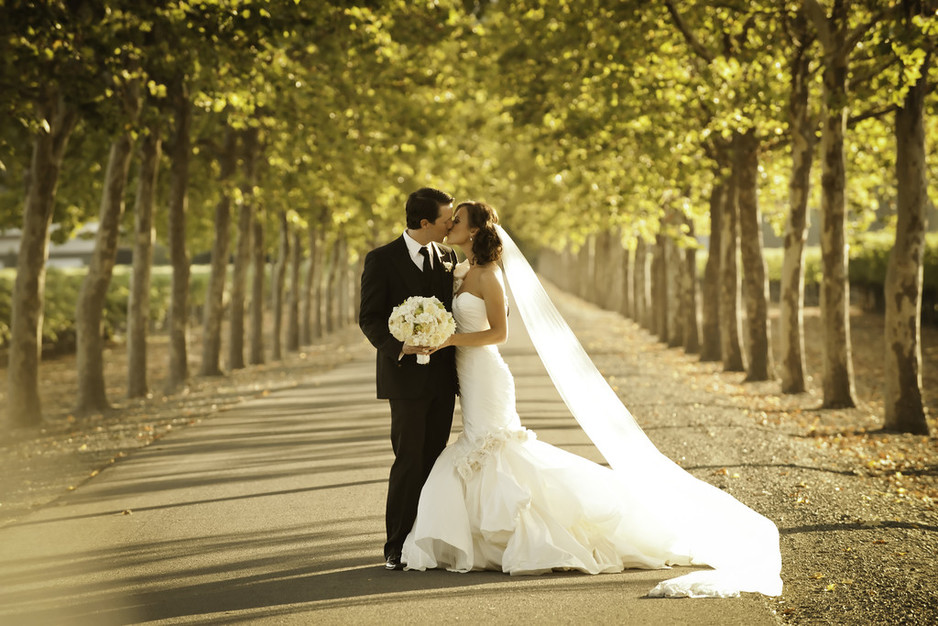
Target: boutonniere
448 266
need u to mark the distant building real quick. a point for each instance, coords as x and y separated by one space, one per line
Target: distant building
76 252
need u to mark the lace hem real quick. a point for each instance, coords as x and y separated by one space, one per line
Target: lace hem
471 462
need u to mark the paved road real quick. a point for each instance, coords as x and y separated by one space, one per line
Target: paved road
272 513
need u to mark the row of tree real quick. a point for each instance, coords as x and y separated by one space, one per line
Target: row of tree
245 118
258 129
834 66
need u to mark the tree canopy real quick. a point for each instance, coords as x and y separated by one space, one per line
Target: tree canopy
568 116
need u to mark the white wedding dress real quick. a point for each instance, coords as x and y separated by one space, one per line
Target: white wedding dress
499 499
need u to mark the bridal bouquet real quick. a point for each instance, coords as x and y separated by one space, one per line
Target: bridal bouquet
421 321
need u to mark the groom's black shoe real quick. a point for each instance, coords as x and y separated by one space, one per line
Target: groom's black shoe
394 562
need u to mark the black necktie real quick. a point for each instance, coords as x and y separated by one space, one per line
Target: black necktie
426 260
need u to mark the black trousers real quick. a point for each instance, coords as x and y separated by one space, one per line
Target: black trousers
419 430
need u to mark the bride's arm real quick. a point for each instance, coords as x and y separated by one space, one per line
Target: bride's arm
493 293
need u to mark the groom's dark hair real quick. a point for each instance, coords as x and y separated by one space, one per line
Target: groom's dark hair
424 204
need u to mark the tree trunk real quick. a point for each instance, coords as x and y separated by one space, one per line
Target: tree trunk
570 263
614 269
306 297
319 290
259 266
348 288
138 304
23 404
354 277
293 307
602 266
627 304
242 258
594 270
214 311
312 318
585 280
903 294
837 376
239 277
606 283
654 288
642 288
674 287
331 289
340 292
803 141
730 350
710 347
179 257
279 283
838 381
689 323
659 274
755 274
325 302
89 311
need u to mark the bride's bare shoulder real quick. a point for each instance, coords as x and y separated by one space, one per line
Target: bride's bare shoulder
490 274
489 269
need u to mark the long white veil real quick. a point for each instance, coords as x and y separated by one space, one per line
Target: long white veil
701 524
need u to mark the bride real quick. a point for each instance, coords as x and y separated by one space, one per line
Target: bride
497 498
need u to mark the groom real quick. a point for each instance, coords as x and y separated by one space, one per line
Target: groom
421 397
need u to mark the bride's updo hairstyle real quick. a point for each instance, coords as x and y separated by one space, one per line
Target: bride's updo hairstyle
486 245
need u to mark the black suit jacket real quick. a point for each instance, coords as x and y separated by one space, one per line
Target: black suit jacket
389 277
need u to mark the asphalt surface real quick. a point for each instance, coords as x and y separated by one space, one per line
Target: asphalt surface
273 513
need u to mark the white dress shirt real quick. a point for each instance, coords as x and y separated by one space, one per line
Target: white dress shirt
413 247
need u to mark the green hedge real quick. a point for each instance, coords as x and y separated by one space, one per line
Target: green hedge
868 266
812 264
61 295
869 257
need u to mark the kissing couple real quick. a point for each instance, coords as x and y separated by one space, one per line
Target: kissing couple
498 498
